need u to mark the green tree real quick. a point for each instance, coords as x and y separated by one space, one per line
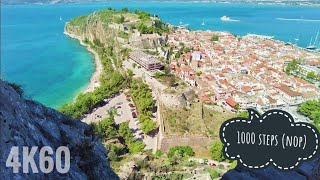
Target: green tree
106 128
198 73
158 75
125 10
144 29
308 107
216 151
166 71
122 19
233 164
130 72
214 174
143 15
312 75
142 97
148 126
114 153
160 27
136 146
186 49
113 156
215 38
315 116
172 81
243 114
181 151
292 66
158 153
125 132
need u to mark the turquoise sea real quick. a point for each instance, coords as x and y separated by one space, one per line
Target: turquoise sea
53 68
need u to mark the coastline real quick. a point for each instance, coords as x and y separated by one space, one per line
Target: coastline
94 79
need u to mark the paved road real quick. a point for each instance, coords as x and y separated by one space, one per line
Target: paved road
142 73
293 110
157 88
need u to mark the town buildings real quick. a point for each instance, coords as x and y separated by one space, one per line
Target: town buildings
241 72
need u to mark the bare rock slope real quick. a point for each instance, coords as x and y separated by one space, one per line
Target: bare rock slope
28 123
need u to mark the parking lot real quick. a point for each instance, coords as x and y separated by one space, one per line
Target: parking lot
122 104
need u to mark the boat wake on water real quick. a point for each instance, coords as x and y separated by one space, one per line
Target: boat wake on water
288 19
226 18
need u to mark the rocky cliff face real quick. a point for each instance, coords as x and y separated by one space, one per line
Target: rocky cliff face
28 123
93 29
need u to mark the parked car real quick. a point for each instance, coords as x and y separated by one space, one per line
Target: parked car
118 107
120 113
134 115
211 164
131 105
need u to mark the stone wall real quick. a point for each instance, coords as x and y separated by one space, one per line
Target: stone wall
197 142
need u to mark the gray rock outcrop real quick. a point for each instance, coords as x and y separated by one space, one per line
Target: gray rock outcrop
28 123
307 171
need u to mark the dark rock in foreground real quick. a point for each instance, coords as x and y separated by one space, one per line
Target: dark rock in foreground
308 170
28 123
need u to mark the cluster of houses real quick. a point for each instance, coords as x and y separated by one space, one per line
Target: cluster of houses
240 72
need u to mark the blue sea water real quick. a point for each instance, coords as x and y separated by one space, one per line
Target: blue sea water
53 69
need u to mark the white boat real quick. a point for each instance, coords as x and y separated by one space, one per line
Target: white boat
312 44
311 47
316 40
203 23
60 18
225 18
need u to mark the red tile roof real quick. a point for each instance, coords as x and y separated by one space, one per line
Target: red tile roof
246 88
288 91
231 102
205 98
260 102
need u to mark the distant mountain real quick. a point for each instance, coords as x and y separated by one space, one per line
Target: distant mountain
13 2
